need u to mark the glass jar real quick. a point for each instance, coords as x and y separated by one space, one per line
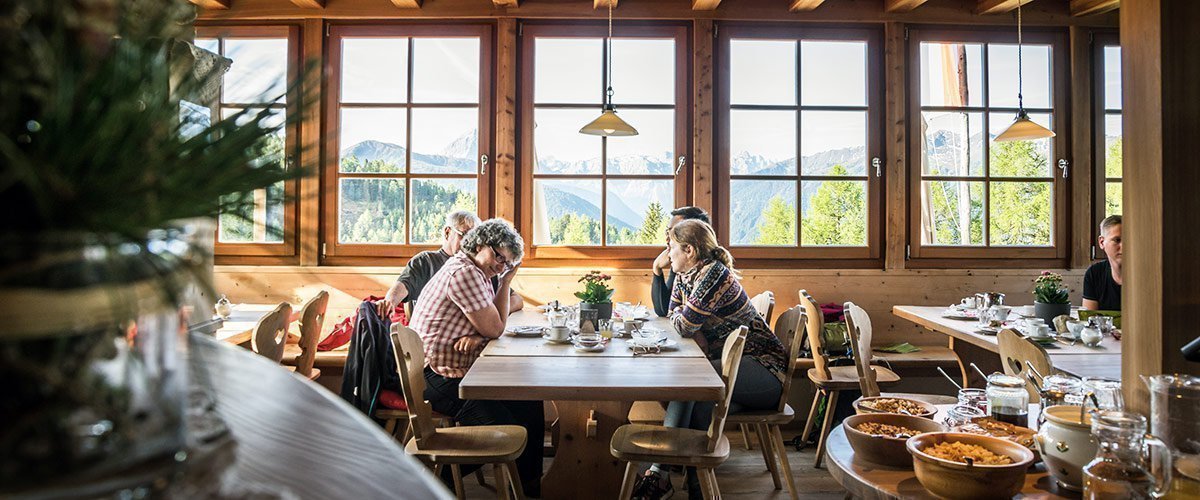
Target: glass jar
973 397
1120 471
1059 389
556 315
962 414
1008 401
1104 393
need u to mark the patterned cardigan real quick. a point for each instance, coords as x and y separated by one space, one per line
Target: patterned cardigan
709 300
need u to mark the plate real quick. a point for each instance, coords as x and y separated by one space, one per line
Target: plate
664 344
1043 340
527 331
552 341
954 313
987 330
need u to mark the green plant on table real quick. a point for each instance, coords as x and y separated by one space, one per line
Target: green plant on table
595 288
1048 288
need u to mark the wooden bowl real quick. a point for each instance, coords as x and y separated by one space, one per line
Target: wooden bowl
885 450
859 408
958 480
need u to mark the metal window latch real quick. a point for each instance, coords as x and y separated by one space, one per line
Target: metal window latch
483 160
682 161
1063 164
875 162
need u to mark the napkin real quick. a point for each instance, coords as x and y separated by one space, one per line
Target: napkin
901 348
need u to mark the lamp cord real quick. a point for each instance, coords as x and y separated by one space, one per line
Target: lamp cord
608 60
1020 64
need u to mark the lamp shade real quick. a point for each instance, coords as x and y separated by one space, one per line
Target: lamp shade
1024 129
609 125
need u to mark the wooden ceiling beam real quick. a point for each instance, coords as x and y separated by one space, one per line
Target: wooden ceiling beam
804 5
705 4
309 4
603 4
212 4
407 4
901 5
506 3
1089 7
998 6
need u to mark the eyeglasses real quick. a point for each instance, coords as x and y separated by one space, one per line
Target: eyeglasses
501 259
457 231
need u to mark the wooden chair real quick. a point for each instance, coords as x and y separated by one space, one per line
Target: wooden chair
705 450
788 327
858 325
453 446
270 333
764 303
1015 351
829 381
304 354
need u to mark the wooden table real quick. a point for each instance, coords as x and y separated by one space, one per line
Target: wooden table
294 436
592 393
870 481
238 328
1079 360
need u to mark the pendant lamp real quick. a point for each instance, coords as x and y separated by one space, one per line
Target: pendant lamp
1022 128
609 124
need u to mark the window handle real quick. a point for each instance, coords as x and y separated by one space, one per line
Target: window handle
1063 164
681 162
483 159
875 162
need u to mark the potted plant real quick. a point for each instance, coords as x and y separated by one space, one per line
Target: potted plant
596 294
103 181
1051 297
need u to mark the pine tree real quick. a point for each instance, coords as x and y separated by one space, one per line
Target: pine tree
1020 211
654 225
837 214
778 223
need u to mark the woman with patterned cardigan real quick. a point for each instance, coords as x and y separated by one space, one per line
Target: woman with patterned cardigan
708 304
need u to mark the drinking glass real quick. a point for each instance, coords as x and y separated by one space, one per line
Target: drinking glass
1103 323
606 329
1107 392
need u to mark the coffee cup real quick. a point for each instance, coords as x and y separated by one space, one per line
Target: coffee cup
558 333
1000 313
632 325
968 303
1039 331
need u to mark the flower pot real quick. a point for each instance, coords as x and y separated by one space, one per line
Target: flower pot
93 356
603 310
1050 311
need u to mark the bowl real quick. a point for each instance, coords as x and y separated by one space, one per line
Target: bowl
881 449
861 409
958 480
588 340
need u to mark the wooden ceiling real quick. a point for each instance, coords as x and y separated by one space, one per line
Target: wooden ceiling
984 7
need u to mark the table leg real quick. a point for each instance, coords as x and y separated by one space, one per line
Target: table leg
962 369
583 451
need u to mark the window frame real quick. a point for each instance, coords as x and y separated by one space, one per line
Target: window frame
1056 254
334 252
865 256
1101 40
682 178
291 210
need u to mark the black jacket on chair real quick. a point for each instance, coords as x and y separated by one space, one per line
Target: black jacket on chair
370 364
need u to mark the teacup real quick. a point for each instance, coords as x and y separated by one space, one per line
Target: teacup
1039 331
632 325
968 303
558 333
999 313
588 340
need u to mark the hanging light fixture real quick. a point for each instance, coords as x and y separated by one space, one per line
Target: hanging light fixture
1022 128
609 124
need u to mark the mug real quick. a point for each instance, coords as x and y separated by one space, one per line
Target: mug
558 333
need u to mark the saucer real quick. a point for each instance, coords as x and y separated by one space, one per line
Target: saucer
553 341
596 348
987 330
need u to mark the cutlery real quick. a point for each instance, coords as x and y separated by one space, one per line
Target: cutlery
947 375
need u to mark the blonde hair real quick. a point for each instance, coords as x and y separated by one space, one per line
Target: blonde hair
699 235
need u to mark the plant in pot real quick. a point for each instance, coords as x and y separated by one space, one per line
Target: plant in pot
1051 297
105 185
596 294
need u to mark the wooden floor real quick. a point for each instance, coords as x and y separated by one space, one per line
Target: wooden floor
742 477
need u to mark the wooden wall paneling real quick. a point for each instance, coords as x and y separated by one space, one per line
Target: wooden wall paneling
604 4
804 5
506 3
1160 46
1090 7
309 225
705 4
895 137
701 161
1081 169
504 166
998 6
309 4
407 4
212 4
901 5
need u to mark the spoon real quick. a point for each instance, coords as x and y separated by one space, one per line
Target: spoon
948 377
980 372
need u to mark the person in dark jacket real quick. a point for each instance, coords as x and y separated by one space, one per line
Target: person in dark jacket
663 279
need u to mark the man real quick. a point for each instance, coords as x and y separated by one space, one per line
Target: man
421 267
1102 281
664 279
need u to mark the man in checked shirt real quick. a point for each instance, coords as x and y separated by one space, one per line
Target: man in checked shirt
458 313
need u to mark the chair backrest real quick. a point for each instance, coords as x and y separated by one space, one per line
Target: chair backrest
270 333
410 364
858 326
1015 350
764 303
731 359
789 328
312 318
815 328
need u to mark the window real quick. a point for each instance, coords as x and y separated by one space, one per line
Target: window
587 193
408 108
1108 98
973 197
263 65
798 144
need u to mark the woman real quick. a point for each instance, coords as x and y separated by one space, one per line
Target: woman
458 313
709 304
